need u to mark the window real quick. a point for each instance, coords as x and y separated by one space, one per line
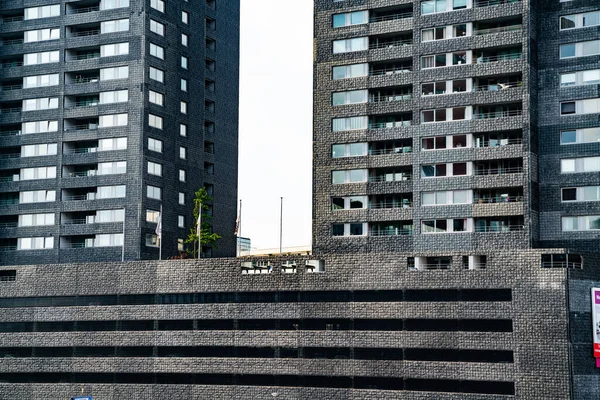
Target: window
108 74
157 27
180 221
115 49
112 144
182 153
45 57
184 62
349 150
27 174
349 124
587 106
152 240
41 35
350 97
350 45
112 168
155 98
433 6
580 165
351 229
585 193
107 216
349 176
119 25
42 12
37 196
441 170
583 20
157 51
184 39
183 107
349 203
152 216
112 4
588 77
441 115
350 71
157 74
582 223
39 127
586 135
158 5
40 81
211 24
209 85
154 168
117 96
108 240
447 226
36 219
581 49
155 145
184 85
185 17
155 121
153 192
351 18
182 175
111 192
431 34
181 198
35 243
35 150
183 130
446 198
109 121
433 61
44 103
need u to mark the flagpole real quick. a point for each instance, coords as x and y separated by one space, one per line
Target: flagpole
199 228
281 228
160 234
239 230
123 242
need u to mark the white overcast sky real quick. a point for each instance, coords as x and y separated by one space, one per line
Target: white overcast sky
276 121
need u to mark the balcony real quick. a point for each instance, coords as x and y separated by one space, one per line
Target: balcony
389 14
498 167
10 41
499 224
82 7
484 56
390 41
390 147
12 175
391 94
9 221
8 245
498 139
82 54
79 124
497 111
10 86
498 196
82 101
9 199
429 263
390 201
82 77
496 87
391 228
390 121
11 108
13 63
390 174
390 67
16 17
487 3
83 30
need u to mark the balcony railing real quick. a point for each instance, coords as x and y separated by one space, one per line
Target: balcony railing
392 44
12 178
78 104
77 57
395 124
87 79
389 97
79 174
486 3
498 142
390 204
12 19
390 232
10 42
475 266
497 86
390 71
8 88
10 133
396 150
9 224
498 171
81 127
499 29
77 221
430 267
498 199
14 64
91 32
392 17
393 177
9 202
10 110
84 10
82 150
562 264
502 228
7 248
498 114
500 57
9 156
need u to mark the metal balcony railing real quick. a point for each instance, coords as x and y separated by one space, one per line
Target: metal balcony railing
430 267
13 19
78 197
382 98
9 224
395 124
7 248
8 278
392 177
390 232
390 204
82 127
500 57
10 133
499 29
14 64
392 17
498 142
79 174
498 114
562 264
396 150
475 266
8 156
77 221
10 110
12 178
77 57
498 171
9 202
391 44
500 228
391 70
497 86
78 104
8 88
83 150
10 42
84 10
91 32
87 79
486 3
498 199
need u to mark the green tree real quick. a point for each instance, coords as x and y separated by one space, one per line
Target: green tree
207 237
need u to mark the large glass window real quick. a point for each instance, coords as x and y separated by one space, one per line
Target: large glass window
352 18
350 71
350 45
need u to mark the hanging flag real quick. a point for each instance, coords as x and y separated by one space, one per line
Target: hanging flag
199 221
158 230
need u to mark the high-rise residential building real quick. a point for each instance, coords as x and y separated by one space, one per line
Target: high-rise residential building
109 111
456 125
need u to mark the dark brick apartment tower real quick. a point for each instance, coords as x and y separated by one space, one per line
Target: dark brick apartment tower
109 110
456 221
